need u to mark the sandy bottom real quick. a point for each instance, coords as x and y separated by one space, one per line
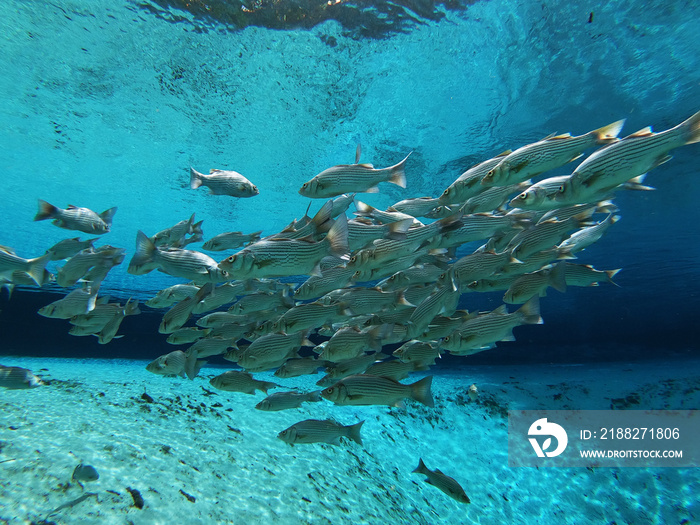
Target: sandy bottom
198 455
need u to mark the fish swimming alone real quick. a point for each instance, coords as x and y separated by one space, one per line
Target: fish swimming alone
221 182
17 378
443 482
75 218
375 390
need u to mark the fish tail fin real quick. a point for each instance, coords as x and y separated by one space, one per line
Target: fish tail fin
266 385
315 397
36 268
195 179
255 236
557 277
108 215
193 365
354 432
691 129
420 391
609 133
145 252
46 211
531 311
364 209
608 206
421 468
611 274
397 175
337 237
132 308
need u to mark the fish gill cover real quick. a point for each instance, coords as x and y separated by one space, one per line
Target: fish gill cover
106 105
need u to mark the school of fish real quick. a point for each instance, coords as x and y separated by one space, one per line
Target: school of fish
383 277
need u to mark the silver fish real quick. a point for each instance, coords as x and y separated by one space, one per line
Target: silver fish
178 315
272 348
85 473
417 207
80 264
396 370
443 482
480 333
187 335
222 182
329 280
628 158
187 264
352 178
173 235
536 284
287 400
173 363
300 367
77 302
586 275
583 238
237 381
74 218
284 257
320 431
415 351
374 390
230 240
468 184
9 263
548 154
69 247
171 295
17 378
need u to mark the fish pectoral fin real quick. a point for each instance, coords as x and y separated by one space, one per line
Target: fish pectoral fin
560 137
366 165
661 160
519 166
576 157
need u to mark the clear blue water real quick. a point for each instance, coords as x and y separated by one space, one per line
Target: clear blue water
109 103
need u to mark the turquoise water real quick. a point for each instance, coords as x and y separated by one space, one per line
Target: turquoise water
110 103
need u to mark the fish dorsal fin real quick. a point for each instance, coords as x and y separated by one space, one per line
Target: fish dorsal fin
560 137
644 132
501 310
503 154
366 165
358 152
72 207
214 170
550 136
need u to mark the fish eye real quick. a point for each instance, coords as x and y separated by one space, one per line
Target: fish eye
561 188
328 390
231 258
305 185
447 339
224 273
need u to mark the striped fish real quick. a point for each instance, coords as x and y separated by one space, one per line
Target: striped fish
230 241
320 431
586 275
223 294
287 400
536 284
17 378
186 335
215 319
443 299
80 264
171 236
271 348
541 195
209 346
300 367
109 330
478 226
480 333
262 301
443 482
493 198
187 264
396 370
544 235
417 207
180 312
329 280
353 178
364 389
222 182
479 265
548 154
362 231
385 217
74 218
237 381
631 157
415 351
534 262
497 283
172 363
356 365
77 302
69 247
583 238
98 316
171 295
351 342
308 316
283 257
468 184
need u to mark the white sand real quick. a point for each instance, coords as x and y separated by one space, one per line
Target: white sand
229 458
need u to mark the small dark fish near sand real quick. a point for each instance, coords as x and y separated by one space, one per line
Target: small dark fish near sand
85 473
443 482
17 378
